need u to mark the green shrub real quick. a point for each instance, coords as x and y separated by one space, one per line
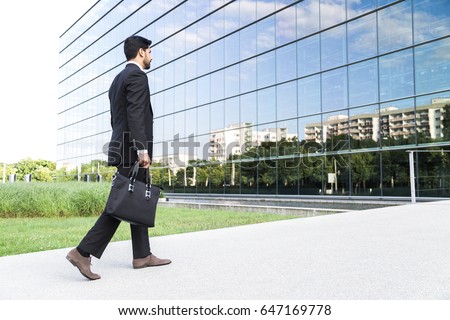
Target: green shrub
52 199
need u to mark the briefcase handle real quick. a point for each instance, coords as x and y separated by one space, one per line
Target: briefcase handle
148 180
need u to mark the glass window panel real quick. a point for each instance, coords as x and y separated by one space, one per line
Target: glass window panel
432 66
265 34
217 24
202 185
180 43
267 169
332 12
168 101
395 173
288 174
395 27
158 85
287 131
248 176
191 66
232 49
231 17
217 116
310 176
231 183
310 129
335 131
203 90
191 94
179 124
307 17
287 100
266 69
248 42
203 32
363 83
158 105
433 171
334 47
203 56
248 75
334 90
191 122
266 105
309 95
203 119
286 63
168 128
217 55
180 99
336 175
218 145
431 19
232 81
168 47
217 85
203 149
433 117
232 112
397 123
308 56
364 127
396 75
361 38
286 30
179 74
216 178
248 108
356 8
191 38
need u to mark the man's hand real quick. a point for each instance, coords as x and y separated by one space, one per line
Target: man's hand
144 160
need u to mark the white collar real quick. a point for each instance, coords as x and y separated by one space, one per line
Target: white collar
133 62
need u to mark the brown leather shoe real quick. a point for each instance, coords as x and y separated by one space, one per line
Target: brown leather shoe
149 261
82 263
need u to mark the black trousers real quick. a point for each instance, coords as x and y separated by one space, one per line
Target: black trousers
99 236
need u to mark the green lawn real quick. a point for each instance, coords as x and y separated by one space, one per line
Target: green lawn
23 235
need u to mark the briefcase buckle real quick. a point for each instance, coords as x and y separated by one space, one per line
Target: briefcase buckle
148 194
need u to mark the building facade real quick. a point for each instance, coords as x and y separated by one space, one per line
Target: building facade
283 97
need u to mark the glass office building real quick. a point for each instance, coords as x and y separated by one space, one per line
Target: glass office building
281 97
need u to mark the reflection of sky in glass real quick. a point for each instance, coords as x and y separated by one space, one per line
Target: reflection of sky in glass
396 75
363 83
432 63
431 19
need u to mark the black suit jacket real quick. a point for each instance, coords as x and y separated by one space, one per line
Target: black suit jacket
131 116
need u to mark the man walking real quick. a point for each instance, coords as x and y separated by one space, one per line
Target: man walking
132 140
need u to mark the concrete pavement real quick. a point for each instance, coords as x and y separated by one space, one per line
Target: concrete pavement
400 252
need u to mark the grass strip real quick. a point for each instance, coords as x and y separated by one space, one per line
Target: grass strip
24 235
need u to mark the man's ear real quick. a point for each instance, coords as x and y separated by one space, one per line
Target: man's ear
141 52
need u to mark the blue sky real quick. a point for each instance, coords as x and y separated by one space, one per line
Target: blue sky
29 31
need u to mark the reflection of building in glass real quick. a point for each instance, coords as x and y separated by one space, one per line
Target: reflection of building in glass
389 122
174 161
355 76
235 139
